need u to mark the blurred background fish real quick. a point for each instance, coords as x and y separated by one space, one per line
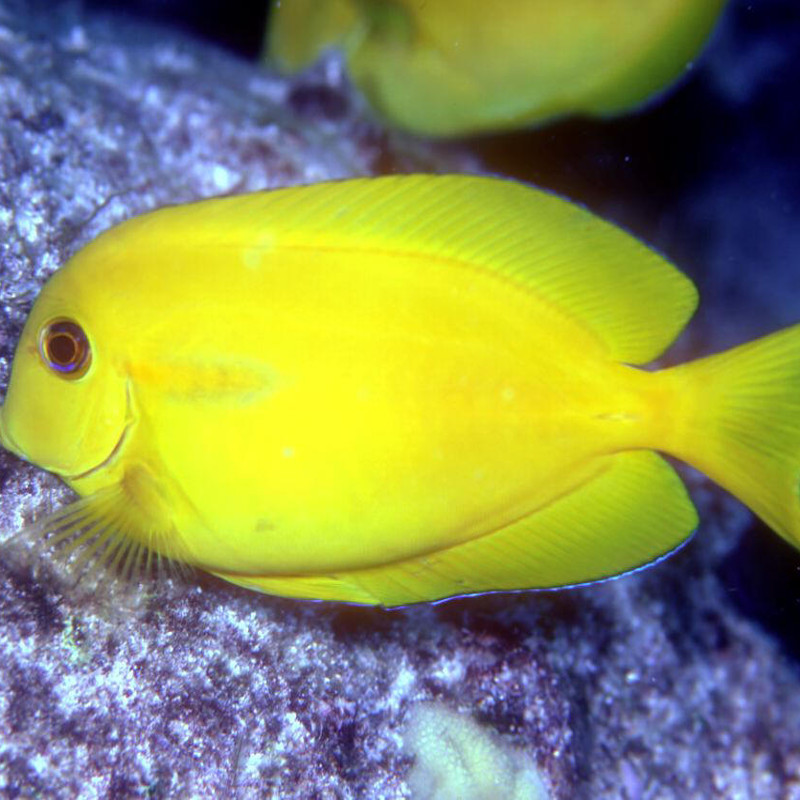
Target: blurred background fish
450 67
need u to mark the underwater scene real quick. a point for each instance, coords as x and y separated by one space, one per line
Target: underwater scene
400 400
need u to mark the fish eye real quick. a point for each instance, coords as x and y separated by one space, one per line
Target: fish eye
64 348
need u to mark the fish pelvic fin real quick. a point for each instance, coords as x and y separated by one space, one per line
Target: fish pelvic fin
740 424
120 533
98 545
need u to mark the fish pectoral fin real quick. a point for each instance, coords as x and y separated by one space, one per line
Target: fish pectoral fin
634 511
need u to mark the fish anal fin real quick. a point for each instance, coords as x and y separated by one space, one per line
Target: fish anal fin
635 510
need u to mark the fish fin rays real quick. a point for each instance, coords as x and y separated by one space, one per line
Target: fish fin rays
633 300
743 429
635 510
98 541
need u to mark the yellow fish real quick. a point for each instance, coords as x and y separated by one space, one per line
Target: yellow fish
450 67
390 390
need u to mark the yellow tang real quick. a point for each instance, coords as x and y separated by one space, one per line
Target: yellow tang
391 390
447 67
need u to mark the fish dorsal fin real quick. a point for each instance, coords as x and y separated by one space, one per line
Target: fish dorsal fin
633 300
299 32
633 510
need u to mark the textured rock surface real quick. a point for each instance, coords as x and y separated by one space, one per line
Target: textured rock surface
662 685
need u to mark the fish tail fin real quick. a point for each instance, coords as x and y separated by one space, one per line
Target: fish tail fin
740 424
298 32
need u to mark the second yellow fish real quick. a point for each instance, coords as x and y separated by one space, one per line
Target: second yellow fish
453 67
390 390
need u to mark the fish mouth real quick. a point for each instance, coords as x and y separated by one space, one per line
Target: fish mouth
117 448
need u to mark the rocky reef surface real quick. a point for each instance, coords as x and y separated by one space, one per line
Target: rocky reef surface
679 681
